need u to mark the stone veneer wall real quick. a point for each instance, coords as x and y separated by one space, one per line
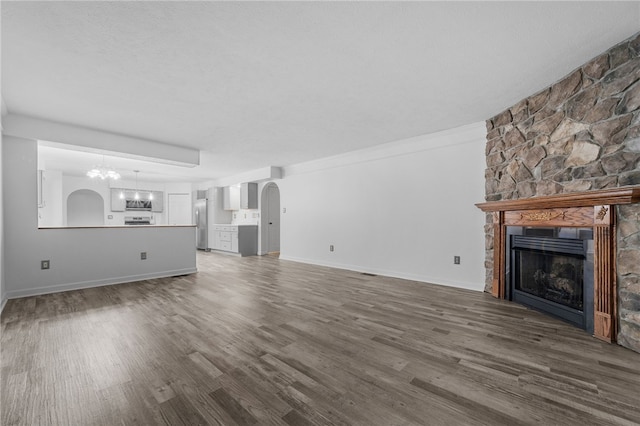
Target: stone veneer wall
581 133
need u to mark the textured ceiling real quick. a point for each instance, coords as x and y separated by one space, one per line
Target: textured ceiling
278 83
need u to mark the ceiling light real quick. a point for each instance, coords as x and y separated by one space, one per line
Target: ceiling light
103 172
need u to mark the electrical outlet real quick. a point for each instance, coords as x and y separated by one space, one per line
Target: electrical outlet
456 260
284 210
331 247
45 264
143 255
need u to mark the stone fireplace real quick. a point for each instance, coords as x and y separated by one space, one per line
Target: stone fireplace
579 139
593 211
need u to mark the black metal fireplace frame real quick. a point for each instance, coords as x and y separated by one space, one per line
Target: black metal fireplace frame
547 245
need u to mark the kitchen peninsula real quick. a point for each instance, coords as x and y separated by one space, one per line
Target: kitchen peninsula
92 256
53 259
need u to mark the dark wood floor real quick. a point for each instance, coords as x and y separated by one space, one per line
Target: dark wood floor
261 341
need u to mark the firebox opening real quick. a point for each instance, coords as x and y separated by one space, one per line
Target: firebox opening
551 270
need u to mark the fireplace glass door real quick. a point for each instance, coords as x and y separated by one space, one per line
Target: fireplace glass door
555 277
548 274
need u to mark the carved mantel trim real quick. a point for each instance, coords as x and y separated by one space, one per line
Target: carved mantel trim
595 209
613 196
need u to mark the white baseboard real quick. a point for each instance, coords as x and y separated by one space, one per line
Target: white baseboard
391 274
15 294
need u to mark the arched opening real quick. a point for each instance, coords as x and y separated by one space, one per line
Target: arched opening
270 219
85 208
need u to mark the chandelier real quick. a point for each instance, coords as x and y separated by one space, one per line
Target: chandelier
103 172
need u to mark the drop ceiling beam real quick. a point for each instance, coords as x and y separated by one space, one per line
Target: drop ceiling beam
99 141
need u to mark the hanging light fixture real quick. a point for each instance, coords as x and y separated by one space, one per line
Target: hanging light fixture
103 172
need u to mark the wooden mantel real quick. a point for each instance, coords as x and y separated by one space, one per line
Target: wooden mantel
622 195
595 209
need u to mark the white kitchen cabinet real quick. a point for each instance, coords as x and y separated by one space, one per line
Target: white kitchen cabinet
240 239
118 202
249 195
215 213
231 198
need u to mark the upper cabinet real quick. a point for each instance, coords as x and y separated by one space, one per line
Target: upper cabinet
231 198
237 197
249 195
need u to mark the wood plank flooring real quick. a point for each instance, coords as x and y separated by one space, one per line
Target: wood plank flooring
260 341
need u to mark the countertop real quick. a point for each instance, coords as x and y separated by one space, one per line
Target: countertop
234 224
116 226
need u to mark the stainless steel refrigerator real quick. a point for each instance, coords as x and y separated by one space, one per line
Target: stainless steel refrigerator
200 209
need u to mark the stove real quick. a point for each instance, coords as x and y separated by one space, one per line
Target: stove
137 220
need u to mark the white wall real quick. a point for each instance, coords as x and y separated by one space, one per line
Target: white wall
51 212
3 293
403 209
183 189
79 257
71 184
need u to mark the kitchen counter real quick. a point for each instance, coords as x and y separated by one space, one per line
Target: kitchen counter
90 256
241 239
116 226
234 224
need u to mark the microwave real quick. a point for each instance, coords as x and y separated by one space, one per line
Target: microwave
138 205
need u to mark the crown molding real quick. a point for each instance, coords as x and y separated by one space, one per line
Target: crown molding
471 133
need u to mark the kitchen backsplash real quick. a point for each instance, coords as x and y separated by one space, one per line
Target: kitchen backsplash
245 217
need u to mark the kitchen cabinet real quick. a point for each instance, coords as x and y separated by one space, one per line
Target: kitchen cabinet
249 195
215 212
240 239
118 202
231 198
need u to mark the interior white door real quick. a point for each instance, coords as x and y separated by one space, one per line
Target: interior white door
273 219
179 209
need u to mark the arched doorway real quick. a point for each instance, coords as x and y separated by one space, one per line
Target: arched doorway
85 208
270 217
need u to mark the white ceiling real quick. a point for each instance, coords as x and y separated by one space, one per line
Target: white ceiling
255 84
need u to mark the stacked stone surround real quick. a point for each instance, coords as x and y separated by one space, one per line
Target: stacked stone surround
581 133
